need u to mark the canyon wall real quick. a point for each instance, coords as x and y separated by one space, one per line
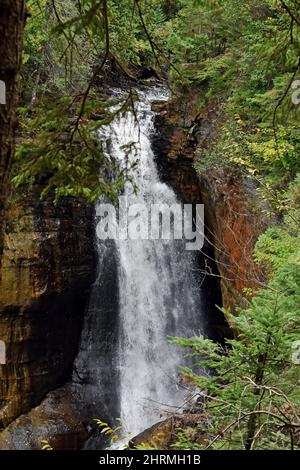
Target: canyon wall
232 209
47 269
49 265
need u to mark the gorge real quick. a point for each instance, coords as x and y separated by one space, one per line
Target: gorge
119 122
145 291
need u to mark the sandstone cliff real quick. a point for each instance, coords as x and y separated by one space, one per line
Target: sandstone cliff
47 269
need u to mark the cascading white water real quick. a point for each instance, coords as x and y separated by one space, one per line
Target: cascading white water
157 292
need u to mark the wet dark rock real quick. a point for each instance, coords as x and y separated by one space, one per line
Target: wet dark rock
148 73
47 269
56 421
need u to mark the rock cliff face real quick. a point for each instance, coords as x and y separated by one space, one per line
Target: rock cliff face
47 269
233 223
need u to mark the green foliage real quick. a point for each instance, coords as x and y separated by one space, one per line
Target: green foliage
129 44
69 48
36 36
256 152
243 57
46 445
276 245
252 387
53 63
281 244
66 152
65 40
114 434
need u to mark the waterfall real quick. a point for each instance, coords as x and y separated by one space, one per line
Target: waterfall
146 291
157 293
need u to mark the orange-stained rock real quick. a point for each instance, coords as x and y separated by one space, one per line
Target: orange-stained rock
235 223
233 217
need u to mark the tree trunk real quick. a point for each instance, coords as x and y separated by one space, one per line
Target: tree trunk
12 20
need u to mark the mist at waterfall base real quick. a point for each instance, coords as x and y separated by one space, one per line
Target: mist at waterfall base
146 291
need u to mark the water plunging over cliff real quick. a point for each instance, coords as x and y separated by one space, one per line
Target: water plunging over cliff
134 368
157 297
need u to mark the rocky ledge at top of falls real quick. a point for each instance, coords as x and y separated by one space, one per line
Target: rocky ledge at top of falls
233 212
47 269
